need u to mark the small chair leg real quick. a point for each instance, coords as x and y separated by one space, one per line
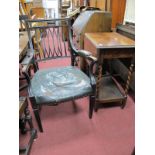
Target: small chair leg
96 107
124 103
37 116
36 113
133 152
91 106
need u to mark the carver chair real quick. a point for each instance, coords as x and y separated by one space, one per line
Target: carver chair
56 85
26 56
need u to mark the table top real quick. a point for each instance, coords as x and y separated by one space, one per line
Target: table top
109 40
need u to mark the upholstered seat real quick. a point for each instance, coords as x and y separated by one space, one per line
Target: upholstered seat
54 85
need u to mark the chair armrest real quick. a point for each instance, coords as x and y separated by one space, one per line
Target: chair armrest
93 60
84 53
27 60
87 55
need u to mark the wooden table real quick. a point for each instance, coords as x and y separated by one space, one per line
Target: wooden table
109 45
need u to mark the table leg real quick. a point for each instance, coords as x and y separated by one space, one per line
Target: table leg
129 78
98 84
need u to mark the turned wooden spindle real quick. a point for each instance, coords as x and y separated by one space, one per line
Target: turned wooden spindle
129 78
98 79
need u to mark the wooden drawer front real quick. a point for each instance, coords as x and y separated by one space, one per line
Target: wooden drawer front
89 46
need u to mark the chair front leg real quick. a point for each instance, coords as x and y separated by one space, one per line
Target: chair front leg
91 105
99 69
36 113
124 103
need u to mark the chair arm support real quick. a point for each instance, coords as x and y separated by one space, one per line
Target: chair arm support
27 60
83 53
93 60
87 55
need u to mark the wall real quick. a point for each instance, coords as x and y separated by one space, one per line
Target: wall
130 11
118 10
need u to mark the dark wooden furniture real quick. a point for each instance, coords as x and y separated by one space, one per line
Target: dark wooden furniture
26 59
25 117
116 7
104 5
109 45
120 66
127 29
26 56
58 84
85 24
133 152
118 11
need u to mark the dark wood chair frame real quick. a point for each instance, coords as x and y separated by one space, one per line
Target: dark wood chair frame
74 53
27 61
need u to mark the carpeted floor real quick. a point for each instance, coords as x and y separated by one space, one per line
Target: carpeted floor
69 131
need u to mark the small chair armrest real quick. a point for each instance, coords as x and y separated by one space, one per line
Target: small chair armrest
87 55
93 60
84 53
27 60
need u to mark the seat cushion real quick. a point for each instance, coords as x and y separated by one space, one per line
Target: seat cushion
59 84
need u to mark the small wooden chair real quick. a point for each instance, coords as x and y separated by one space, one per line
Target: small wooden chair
47 84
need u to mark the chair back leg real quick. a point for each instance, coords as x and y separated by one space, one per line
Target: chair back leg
91 105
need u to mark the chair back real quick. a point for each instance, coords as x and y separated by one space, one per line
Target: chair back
48 38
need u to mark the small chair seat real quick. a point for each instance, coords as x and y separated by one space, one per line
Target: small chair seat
51 86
